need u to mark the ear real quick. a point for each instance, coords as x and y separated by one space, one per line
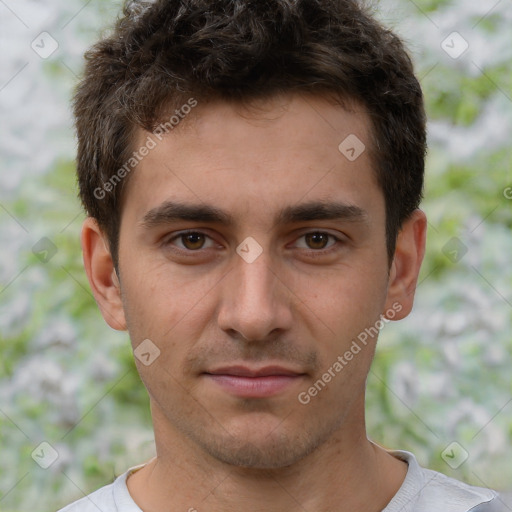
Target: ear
405 268
101 273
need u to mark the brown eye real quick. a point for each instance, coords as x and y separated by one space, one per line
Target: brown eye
193 240
318 243
317 239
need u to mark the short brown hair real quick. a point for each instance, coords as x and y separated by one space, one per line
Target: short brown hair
162 53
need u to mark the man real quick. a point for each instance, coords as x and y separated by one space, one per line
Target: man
252 172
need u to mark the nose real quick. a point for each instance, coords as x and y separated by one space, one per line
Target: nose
255 303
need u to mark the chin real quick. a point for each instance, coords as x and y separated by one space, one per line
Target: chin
263 456
271 449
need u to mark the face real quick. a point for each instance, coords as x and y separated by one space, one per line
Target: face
252 254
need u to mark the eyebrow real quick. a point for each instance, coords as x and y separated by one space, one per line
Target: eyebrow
171 211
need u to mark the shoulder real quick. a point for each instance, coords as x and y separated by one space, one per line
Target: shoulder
455 495
425 490
113 497
102 499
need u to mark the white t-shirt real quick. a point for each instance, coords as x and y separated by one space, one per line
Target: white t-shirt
423 490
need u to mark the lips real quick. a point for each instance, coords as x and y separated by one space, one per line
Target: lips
260 382
242 371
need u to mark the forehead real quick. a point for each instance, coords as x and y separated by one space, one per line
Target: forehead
275 153
294 119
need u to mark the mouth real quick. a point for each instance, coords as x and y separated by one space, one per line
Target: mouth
260 382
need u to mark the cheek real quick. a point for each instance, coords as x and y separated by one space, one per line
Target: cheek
158 295
345 300
171 309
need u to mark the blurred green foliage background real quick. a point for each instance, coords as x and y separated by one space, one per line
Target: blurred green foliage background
440 376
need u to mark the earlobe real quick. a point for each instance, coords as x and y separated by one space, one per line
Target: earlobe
405 268
101 273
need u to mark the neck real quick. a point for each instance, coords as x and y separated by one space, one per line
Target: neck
346 473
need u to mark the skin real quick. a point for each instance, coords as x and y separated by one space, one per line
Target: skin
296 305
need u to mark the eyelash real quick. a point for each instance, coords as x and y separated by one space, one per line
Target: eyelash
190 252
